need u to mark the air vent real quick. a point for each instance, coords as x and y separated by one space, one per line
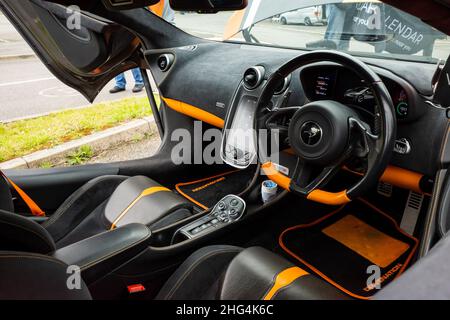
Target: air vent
283 85
165 62
253 77
385 189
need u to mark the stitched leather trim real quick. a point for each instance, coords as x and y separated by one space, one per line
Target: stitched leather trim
192 268
112 254
145 193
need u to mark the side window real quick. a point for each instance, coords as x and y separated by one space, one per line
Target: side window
46 124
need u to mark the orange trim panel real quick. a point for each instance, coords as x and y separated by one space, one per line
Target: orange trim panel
398 177
283 279
330 198
194 112
402 178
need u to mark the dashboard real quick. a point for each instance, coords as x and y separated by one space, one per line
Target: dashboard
210 76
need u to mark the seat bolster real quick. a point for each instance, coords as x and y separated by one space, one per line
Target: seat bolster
257 273
310 287
252 274
18 233
27 276
198 277
81 204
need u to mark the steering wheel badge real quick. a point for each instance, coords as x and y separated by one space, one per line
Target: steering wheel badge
311 133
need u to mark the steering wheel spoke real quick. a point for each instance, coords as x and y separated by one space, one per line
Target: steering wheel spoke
367 139
279 119
301 182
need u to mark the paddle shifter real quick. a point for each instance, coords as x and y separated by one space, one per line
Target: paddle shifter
226 211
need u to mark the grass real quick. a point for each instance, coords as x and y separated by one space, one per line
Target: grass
46 165
26 136
80 156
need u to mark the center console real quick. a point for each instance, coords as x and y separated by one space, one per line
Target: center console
228 210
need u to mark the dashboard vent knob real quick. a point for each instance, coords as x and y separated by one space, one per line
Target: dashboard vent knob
165 62
253 77
283 85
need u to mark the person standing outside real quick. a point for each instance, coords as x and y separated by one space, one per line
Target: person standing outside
162 9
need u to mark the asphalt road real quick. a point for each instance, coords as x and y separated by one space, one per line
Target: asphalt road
27 88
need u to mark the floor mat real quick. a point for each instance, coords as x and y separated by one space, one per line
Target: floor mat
356 248
206 192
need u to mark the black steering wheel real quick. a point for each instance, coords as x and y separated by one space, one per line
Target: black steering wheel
325 134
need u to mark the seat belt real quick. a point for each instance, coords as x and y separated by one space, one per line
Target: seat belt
34 208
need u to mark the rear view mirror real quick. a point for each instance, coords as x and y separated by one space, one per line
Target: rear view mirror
128 4
208 6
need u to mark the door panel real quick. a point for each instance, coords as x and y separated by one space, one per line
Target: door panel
83 50
50 187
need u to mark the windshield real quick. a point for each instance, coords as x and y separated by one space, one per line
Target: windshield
367 28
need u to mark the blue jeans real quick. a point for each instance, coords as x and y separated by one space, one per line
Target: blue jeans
121 82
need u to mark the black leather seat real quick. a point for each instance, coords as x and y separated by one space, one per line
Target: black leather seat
107 202
216 272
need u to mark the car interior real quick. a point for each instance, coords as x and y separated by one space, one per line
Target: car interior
360 161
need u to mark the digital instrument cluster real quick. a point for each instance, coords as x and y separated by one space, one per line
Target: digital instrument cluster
337 83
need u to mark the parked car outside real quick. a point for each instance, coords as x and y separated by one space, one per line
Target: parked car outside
307 16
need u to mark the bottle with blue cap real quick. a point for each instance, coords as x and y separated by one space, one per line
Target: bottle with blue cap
268 190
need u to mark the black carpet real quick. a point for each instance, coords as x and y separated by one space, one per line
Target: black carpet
354 248
206 192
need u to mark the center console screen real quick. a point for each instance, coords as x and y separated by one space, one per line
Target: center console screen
240 141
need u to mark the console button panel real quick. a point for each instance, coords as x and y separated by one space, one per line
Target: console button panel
228 210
